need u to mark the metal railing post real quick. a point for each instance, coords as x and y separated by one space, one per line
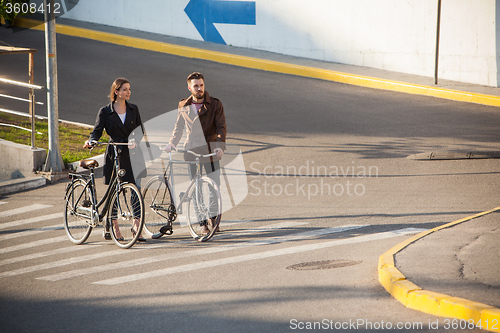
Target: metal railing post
32 98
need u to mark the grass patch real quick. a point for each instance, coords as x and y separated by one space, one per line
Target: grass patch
71 137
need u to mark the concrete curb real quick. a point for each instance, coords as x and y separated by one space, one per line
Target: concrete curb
268 65
21 184
414 297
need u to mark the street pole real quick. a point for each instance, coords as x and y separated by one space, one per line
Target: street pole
437 42
54 161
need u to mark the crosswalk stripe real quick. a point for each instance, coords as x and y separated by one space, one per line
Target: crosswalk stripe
24 210
59 263
202 251
255 256
31 232
64 262
37 255
31 220
34 244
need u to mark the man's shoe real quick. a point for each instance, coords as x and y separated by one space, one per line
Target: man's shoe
211 221
204 230
106 235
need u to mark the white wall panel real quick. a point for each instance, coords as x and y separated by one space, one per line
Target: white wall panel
395 35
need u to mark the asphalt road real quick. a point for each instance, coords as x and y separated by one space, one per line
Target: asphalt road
320 157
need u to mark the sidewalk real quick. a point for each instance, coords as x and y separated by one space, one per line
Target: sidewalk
474 276
451 271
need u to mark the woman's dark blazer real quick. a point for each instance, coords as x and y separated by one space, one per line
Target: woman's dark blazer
107 119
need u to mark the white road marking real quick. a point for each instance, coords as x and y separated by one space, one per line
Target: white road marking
197 252
59 263
23 210
31 220
31 232
34 244
255 256
37 255
70 261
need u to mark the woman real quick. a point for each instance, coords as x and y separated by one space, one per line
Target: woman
121 120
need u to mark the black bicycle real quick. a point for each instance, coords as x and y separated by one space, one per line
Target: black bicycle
122 205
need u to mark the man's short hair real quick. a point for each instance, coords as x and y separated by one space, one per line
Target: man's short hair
195 76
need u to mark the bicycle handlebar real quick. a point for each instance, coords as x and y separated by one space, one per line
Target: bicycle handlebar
94 144
98 143
182 150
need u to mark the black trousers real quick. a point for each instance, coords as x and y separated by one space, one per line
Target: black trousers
212 169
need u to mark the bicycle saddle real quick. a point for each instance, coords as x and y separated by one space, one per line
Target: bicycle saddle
87 164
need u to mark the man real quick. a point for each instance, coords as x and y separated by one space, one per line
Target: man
203 118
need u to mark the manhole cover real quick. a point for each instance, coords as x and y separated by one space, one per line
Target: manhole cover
324 264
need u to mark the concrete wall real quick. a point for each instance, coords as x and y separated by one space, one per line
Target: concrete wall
395 35
19 161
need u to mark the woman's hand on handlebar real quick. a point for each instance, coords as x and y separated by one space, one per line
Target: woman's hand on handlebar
88 144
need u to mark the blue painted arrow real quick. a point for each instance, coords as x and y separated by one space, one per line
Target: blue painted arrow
204 13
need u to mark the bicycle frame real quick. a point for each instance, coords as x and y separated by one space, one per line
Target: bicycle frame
106 199
202 195
196 177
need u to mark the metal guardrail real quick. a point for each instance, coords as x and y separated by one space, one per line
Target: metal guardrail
21 84
31 100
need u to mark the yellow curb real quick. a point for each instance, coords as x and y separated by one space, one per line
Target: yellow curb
414 297
268 65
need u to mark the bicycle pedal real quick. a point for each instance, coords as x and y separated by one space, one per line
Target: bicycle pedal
166 230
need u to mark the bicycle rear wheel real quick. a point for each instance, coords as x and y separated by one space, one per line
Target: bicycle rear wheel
204 209
159 206
126 215
77 212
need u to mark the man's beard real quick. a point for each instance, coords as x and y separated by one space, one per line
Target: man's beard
199 95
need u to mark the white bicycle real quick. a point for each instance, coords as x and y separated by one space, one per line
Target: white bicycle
203 199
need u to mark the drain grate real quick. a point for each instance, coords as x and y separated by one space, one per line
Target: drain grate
324 264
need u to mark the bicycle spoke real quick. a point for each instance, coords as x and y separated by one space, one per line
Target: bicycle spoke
160 209
204 209
125 216
78 212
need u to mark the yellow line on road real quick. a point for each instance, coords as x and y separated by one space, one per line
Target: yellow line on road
268 65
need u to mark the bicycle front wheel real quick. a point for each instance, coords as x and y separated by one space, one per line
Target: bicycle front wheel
126 215
78 212
204 209
159 205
